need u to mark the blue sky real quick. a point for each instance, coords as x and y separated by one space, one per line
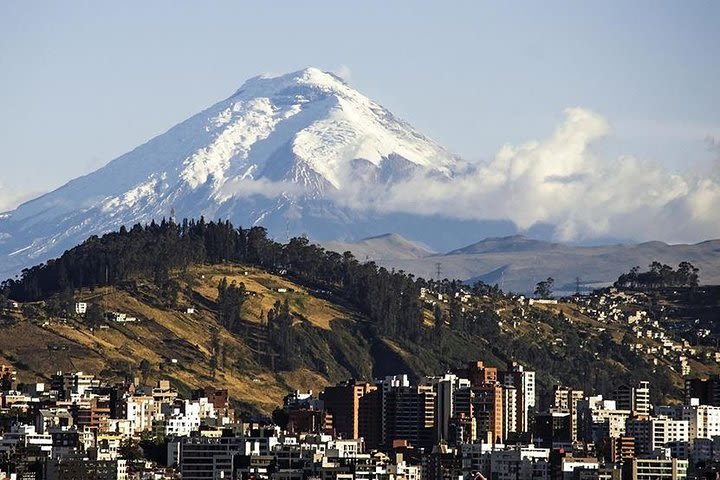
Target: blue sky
83 82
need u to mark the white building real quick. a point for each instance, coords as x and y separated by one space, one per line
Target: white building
703 420
141 411
525 463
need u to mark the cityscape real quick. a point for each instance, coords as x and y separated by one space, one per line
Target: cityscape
407 240
480 422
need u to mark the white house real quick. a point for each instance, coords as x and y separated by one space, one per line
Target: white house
81 308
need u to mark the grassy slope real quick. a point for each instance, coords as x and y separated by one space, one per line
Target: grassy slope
334 343
163 334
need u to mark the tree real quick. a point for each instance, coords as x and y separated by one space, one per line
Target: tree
94 315
439 328
3 301
230 301
544 288
214 350
457 317
130 450
282 334
145 368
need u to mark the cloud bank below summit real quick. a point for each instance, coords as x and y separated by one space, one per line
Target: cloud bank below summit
560 180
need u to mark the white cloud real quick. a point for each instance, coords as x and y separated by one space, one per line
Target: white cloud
344 72
561 181
247 187
10 197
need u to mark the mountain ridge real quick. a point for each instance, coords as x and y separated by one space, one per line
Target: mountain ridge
517 262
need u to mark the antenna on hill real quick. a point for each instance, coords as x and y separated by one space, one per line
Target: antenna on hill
438 269
287 230
577 285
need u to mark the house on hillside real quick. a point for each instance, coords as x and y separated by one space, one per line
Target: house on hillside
120 317
80 308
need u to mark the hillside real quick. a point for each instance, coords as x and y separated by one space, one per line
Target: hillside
338 342
270 318
38 346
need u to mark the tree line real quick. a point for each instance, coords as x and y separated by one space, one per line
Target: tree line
660 276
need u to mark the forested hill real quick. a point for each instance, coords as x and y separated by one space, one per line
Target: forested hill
391 300
389 322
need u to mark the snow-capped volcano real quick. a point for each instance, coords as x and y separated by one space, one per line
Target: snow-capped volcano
277 152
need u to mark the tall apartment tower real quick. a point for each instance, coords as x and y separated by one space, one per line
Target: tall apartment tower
410 415
487 405
706 390
387 385
452 398
343 402
524 383
510 410
478 374
566 401
370 418
636 399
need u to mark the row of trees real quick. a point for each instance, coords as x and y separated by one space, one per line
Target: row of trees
659 276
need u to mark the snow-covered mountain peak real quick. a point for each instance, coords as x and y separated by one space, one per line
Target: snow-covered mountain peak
276 144
311 78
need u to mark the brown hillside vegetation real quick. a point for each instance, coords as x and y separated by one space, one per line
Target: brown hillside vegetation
39 347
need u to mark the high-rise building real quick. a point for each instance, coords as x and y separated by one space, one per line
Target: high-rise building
487 405
655 469
566 400
343 402
510 410
203 458
622 448
478 374
524 383
706 390
553 429
452 398
370 418
410 415
703 420
387 385
636 399
652 434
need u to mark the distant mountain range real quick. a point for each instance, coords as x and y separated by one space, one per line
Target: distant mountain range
517 263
